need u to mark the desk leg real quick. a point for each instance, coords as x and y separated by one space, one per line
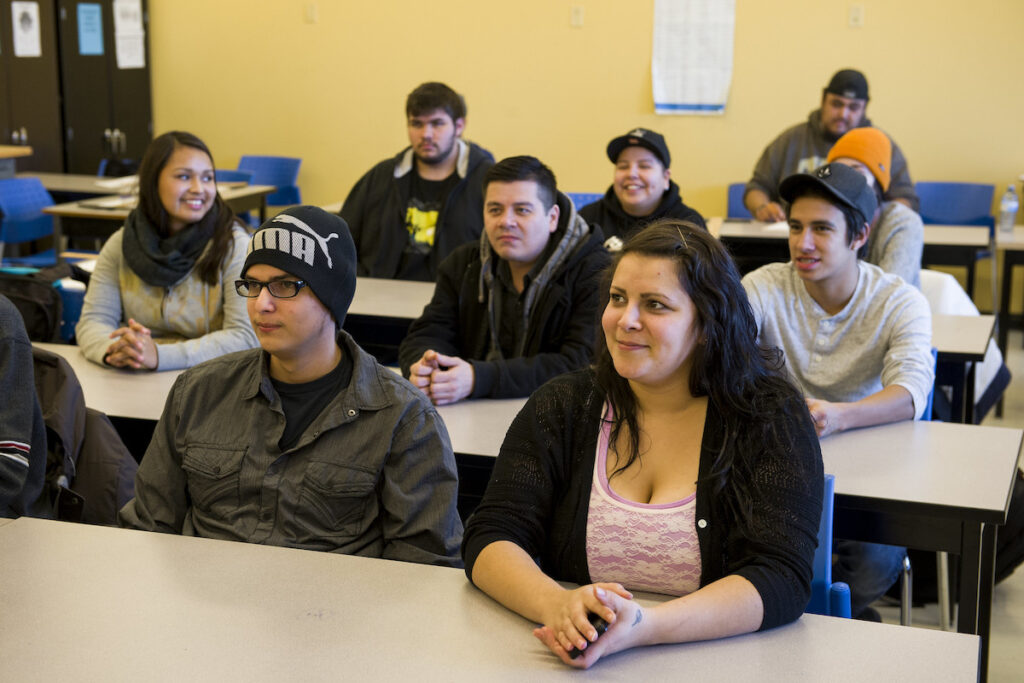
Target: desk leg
263 209
969 393
972 548
58 237
986 587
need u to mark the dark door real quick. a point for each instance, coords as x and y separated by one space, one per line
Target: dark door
107 108
32 85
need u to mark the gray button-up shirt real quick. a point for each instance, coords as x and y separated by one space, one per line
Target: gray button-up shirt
373 474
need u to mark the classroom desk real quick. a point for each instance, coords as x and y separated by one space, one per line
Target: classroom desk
931 486
1012 246
117 393
8 153
397 299
76 183
112 604
104 221
961 342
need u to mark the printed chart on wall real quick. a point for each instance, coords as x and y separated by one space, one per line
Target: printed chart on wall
129 34
25 19
691 64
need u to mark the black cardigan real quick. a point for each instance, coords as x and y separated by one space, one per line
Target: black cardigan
539 494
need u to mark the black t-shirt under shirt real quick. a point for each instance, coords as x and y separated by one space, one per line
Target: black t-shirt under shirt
426 199
302 403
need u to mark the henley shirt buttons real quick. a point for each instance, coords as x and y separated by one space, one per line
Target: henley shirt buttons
702 523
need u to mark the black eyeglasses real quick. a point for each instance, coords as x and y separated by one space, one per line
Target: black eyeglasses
279 289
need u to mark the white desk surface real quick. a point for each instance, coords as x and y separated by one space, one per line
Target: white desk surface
478 427
935 463
955 235
83 210
1013 241
116 392
390 298
962 335
85 603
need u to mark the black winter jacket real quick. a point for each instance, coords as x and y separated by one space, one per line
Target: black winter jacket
561 329
607 212
375 211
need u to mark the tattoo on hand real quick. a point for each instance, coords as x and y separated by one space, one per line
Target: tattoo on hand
639 617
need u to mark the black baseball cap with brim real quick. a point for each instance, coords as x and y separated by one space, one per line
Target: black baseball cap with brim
848 83
640 137
847 186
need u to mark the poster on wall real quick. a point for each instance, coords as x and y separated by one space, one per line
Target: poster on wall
90 28
129 34
25 19
691 64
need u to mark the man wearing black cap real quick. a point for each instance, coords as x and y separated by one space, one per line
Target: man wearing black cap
642 190
856 340
805 146
306 442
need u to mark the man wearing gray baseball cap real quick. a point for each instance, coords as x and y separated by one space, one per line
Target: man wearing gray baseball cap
856 339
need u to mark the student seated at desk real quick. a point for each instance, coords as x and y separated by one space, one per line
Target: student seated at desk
412 210
307 442
22 431
856 340
516 308
683 462
896 239
642 190
161 296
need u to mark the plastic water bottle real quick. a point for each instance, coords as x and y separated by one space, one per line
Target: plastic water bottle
1008 210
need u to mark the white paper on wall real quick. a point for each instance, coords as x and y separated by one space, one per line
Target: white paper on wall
25 19
691 63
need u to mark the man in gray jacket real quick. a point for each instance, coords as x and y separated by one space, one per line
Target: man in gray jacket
306 442
803 148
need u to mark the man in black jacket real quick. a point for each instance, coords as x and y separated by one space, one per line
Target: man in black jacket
409 212
520 306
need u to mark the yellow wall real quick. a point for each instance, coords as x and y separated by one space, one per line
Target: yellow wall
253 77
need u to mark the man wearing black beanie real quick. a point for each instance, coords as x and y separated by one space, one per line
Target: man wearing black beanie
306 442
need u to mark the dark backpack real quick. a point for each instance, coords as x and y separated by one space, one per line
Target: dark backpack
38 301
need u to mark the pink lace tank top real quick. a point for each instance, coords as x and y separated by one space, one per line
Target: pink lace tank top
644 547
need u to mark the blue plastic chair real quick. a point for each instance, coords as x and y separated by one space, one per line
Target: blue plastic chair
956 203
228 175
22 219
959 204
735 207
830 599
281 172
581 199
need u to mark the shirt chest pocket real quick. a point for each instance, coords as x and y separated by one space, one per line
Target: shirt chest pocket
213 477
336 499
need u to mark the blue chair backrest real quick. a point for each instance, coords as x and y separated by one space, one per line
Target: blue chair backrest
282 172
227 175
956 203
581 199
21 204
927 414
735 208
826 597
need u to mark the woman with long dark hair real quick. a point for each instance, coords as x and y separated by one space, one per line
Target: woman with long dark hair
683 462
157 299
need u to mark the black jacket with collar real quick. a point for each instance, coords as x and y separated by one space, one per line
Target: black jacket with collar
607 212
559 337
375 211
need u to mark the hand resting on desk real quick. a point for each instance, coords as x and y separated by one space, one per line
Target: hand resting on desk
445 379
133 348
